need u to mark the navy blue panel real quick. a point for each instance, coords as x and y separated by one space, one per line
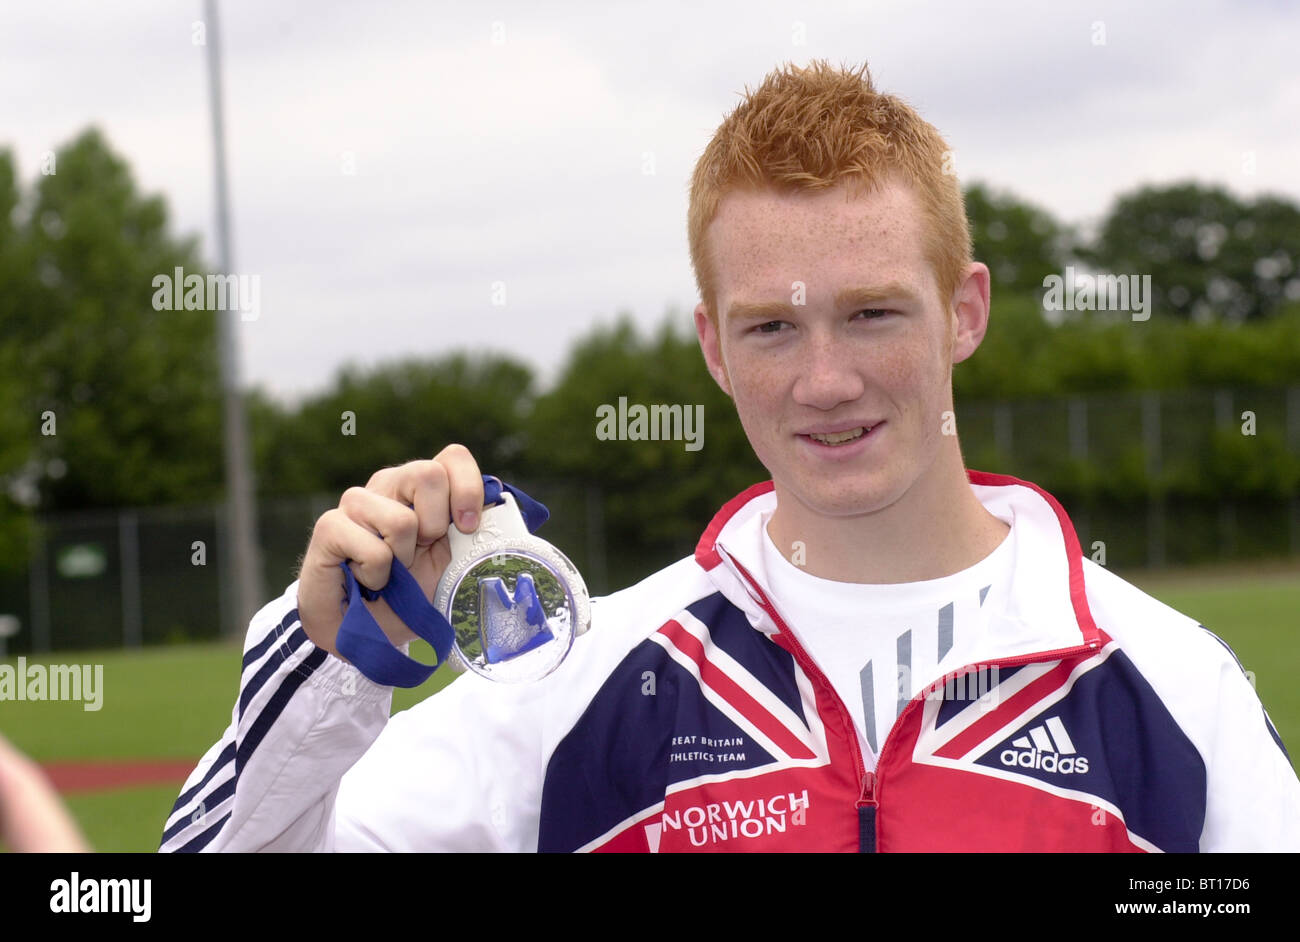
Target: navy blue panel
630 745
731 631
1138 758
957 695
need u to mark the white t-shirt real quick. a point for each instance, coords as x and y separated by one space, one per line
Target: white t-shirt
880 645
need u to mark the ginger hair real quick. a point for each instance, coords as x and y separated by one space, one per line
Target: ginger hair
817 127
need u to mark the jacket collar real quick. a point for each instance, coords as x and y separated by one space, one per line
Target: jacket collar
1048 611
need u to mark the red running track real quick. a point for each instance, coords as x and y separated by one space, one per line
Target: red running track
100 776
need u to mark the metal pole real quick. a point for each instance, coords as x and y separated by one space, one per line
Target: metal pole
244 562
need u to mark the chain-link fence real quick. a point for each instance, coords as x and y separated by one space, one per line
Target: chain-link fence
158 575
1158 479
1149 480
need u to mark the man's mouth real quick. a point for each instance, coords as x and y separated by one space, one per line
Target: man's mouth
840 438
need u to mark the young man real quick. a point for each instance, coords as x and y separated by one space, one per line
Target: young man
876 650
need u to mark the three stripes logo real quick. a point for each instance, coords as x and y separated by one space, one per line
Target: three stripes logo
1047 747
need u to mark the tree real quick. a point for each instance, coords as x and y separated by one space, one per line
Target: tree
396 412
20 467
1209 254
131 393
1020 243
658 493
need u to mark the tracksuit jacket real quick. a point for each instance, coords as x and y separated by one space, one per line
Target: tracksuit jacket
691 718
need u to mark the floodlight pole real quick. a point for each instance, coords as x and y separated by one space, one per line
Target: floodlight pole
243 561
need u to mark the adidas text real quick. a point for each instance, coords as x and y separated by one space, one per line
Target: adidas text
1048 762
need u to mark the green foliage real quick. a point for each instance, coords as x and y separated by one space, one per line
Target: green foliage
1021 244
1032 368
1246 466
1011 361
19 467
1022 356
1210 255
401 411
134 392
657 493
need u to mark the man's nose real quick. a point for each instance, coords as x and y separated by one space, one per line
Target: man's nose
829 374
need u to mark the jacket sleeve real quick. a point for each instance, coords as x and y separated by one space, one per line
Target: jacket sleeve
311 760
1253 794
302 719
459 771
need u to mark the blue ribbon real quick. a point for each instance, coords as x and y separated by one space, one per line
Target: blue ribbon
364 643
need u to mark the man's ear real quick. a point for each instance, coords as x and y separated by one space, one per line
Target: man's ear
970 307
711 347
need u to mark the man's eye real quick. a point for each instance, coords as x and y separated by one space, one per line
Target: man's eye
874 313
771 327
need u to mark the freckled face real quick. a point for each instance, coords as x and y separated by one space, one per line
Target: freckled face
842 395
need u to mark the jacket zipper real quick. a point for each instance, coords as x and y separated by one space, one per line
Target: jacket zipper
868 803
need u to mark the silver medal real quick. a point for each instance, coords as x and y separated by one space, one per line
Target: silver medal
515 601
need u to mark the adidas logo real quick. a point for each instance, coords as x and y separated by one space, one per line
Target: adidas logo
1047 747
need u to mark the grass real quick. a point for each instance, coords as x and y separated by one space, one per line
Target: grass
174 702
123 819
159 703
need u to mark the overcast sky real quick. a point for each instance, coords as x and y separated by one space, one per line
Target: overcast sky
506 142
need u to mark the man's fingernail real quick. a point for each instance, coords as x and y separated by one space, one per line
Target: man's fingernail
468 520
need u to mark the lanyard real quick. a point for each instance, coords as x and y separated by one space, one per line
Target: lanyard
363 642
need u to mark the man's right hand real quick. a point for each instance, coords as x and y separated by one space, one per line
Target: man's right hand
402 512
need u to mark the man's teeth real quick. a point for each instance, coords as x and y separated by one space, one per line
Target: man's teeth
836 438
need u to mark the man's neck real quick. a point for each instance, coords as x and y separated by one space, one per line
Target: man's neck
937 528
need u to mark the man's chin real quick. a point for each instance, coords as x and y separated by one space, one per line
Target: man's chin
842 502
